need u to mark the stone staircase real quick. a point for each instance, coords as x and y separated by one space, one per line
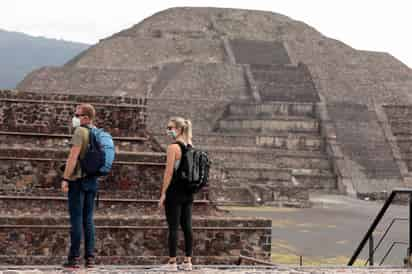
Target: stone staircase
284 156
130 229
399 118
269 149
289 83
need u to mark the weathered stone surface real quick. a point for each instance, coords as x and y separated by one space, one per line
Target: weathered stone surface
131 229
194 62
211 269
219 240
36 113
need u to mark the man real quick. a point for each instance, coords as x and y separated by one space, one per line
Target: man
81 190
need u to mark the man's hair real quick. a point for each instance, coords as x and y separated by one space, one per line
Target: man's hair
88 110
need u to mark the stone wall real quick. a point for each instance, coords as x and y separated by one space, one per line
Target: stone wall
55 204
37 113
90 81
368 156
259 52
11 139
134 240
39 171
399 120
122 53
204 114
130 228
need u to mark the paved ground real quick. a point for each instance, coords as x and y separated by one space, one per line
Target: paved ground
210 270
329 232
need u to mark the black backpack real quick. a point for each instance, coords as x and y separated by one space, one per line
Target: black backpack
193 170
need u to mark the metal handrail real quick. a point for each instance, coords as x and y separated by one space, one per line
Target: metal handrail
384 235
390 249
378 219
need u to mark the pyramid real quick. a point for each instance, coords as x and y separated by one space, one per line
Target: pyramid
282 109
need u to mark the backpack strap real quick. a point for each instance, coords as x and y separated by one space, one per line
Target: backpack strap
182 146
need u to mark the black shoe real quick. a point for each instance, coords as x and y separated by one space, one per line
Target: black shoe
72 263
89 262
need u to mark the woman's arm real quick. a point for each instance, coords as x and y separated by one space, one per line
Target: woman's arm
168 174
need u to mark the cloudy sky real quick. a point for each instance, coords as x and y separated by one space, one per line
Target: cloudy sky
377 25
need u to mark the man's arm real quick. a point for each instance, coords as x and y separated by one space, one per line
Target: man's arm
71 161
70 165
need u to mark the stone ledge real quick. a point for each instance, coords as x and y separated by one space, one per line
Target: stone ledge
211 222
74 103
266 150
206 269
7 95
272 119
68 136
101 199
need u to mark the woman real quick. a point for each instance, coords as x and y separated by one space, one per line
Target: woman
177 202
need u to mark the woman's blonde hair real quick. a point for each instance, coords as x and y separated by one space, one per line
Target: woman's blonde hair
185 125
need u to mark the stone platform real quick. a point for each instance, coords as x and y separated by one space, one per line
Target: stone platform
130 228
210 269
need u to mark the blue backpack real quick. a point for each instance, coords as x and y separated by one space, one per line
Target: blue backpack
99 155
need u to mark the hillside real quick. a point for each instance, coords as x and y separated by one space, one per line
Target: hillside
21 53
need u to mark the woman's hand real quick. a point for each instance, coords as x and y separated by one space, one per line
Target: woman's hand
162 200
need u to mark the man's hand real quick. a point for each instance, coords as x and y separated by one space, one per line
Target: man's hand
162 200
65 186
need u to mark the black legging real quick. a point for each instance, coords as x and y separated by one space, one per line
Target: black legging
175 213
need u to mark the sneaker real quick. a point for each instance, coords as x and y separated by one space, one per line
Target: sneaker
89 262
187 266
167 267
72 263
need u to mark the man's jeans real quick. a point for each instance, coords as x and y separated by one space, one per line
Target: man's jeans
81 197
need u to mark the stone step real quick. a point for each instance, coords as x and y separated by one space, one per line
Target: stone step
260 157
291 124
276 139
132 240
262 150
273 109
401 127
28 170
253 194
270 91
405 144
62 141
398 112
236 172
273 67
243 268
304 178
34 153
260 52
284 75
25 205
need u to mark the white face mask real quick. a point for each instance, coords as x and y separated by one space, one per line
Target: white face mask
75 122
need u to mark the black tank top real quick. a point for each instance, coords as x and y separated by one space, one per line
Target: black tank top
176 191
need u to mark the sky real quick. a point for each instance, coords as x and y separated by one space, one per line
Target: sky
375 25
